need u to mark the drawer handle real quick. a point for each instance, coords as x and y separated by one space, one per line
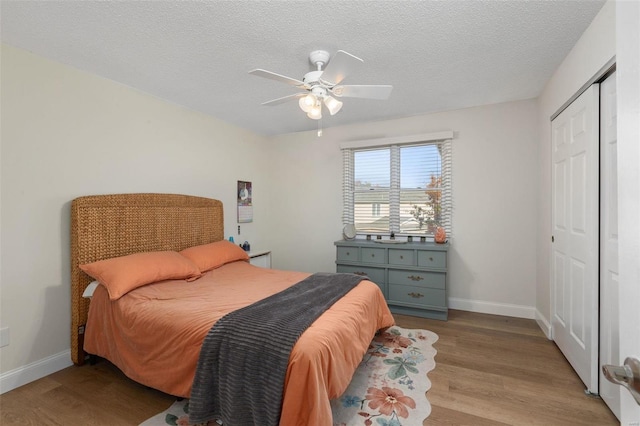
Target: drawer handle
401 257
415 295
362 274
348 253
431 258
415 278
373 255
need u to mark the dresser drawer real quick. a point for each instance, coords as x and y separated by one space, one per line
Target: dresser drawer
418 278
413 295
432 259
373 255
401 257
348 253
375 274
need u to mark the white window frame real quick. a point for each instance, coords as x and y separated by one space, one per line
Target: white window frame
348 148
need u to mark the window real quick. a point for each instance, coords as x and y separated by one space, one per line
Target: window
400 188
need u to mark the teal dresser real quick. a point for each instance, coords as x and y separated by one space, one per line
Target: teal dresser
412 276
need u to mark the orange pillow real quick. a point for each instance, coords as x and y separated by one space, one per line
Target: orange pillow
122 274
214 255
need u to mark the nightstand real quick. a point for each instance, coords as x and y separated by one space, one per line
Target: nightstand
260 258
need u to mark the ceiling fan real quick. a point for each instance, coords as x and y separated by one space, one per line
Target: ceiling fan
320 86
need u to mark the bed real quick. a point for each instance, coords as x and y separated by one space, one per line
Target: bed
321 363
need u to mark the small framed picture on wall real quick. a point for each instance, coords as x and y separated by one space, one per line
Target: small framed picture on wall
245 203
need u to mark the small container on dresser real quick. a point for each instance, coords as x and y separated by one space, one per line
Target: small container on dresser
412 276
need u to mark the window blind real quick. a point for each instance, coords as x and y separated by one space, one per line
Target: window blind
347 186
401 188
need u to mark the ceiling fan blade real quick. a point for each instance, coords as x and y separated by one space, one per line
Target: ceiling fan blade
363 91
284 99
277 77
341 64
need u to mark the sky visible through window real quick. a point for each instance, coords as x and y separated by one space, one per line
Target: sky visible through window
417 165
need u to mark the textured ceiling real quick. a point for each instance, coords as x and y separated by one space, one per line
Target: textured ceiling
438 55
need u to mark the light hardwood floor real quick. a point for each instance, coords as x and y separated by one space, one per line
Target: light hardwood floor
490 370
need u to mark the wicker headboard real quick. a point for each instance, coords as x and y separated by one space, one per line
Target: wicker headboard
106 226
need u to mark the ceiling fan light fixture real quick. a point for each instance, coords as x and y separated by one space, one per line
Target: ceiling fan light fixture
316 112
322 85
307 102
332 104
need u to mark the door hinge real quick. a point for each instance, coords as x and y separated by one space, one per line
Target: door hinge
552 239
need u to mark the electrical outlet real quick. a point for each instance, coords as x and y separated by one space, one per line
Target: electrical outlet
4 337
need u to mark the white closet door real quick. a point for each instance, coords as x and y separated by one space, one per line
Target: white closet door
574 263
609 288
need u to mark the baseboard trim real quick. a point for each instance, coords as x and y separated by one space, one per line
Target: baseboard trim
34 371
480 306
544 325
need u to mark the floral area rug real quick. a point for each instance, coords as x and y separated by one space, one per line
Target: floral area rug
387 389
389 386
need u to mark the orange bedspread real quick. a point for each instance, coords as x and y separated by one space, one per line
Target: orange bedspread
154 333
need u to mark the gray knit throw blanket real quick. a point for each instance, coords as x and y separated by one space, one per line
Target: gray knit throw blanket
243 360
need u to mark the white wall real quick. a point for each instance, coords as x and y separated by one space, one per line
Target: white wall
492 258
628 101
66 133
594 49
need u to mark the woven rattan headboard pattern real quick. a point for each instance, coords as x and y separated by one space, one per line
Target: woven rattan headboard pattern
106 226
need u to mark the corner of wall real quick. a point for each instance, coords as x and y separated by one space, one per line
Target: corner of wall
590 55
544 325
